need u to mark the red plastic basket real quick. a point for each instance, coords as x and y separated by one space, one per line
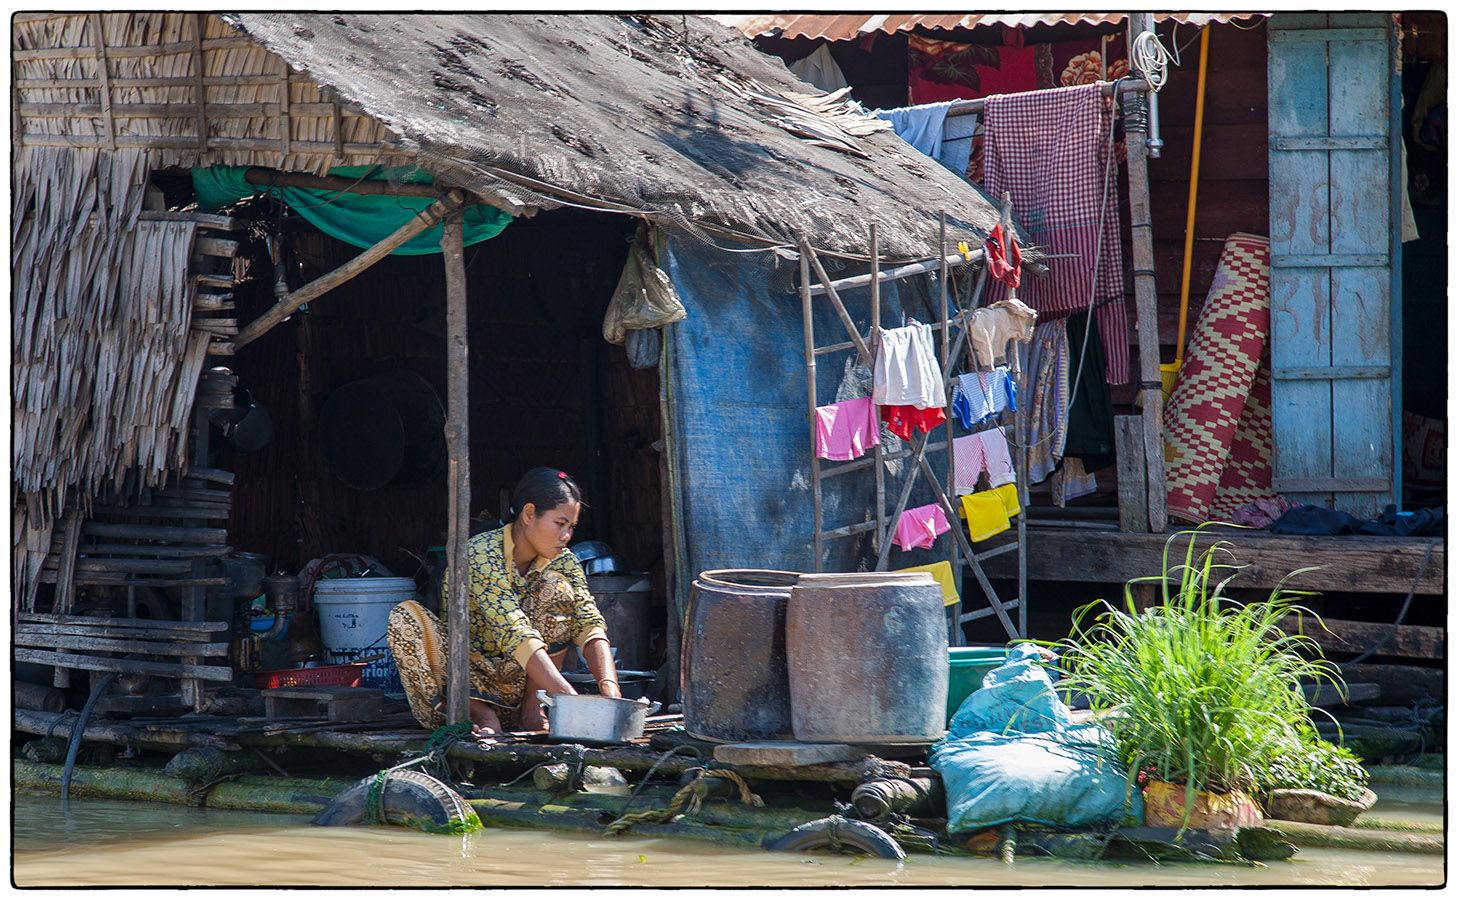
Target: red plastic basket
347 675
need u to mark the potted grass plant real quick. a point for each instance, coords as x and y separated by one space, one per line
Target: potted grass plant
1200 693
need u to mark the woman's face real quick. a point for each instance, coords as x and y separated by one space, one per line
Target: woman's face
550 531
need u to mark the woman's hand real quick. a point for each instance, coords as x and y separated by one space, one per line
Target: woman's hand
608 687
599 658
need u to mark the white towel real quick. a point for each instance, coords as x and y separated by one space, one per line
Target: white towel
906 370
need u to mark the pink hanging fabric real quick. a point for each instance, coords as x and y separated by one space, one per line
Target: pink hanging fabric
846 430
919 528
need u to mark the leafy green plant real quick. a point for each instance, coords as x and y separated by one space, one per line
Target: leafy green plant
1314 764
1197 690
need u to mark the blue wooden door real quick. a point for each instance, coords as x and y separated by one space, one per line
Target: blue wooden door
1333 258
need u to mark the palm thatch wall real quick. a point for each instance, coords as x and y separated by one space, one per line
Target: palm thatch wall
106 355
186 87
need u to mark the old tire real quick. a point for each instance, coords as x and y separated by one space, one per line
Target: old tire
837 832
411 799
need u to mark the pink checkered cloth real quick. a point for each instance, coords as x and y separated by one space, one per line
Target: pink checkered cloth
1048 150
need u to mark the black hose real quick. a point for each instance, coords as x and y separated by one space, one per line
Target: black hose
79 729
1402 613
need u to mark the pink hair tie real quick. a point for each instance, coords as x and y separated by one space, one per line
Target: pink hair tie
562 475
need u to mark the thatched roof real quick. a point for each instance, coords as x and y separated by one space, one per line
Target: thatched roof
644 113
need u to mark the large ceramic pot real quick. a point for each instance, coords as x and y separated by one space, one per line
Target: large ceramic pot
1164 807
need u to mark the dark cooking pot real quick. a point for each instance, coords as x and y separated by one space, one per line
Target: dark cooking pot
387 430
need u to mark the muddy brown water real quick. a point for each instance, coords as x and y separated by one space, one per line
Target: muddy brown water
101 842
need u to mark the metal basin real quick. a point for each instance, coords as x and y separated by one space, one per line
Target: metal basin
595 719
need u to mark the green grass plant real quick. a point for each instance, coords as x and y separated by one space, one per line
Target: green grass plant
1198 690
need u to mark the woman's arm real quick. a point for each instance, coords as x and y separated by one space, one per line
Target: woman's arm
599 658
541 670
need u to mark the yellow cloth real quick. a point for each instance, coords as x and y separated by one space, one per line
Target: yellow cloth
942 572
985 514
1008 494
499 626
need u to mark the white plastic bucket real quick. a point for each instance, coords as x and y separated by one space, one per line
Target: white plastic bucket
353 613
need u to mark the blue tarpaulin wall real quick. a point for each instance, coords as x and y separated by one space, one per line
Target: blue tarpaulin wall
740 418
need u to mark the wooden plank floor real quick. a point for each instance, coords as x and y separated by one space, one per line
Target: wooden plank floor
1383 565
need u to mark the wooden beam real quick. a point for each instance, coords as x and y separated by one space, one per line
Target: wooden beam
1146 294
1358 563
262 177
117 645
878 452
840 310
1133 486
171 533
290 303
1346 636
896 274
807 314
126 634
135 666
103 622
459 467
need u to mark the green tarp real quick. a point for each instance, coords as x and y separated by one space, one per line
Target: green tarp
362 220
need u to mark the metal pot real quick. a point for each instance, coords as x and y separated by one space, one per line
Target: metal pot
601 720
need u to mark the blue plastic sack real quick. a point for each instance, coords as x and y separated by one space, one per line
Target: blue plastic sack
1011 755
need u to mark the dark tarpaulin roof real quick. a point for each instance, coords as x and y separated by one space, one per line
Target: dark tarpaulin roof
846 26
639 111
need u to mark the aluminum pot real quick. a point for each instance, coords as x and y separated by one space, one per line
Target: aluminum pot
593 718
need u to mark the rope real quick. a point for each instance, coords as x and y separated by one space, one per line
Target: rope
654 768
688 801
435 747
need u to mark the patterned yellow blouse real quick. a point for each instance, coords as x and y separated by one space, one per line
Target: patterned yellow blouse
499 626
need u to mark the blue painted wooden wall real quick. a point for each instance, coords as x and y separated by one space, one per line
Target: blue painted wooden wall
1333 295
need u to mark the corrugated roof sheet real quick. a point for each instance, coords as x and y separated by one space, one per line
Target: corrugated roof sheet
844 27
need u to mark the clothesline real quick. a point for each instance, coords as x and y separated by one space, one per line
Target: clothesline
1133 84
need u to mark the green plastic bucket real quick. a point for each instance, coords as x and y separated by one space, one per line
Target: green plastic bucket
968 665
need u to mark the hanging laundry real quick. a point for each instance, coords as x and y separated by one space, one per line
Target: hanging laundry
906 369
996 458
820 69
941 573
900 420
986 515
973 454
1004 259
928 128
1043 426
978 396
1007 494
1072 481
918 529
992 327
1090 408
845 430
1050 151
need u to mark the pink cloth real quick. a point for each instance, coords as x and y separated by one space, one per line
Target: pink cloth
844 431
1049 149
975 453
919 528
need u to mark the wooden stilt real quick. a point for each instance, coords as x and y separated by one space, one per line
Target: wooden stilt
955 550
878 452
459 468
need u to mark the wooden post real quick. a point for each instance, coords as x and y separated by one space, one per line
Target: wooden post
70 526
1136 129
459 468
201 89
194 596
103 72
807 312
290 303
878 451
1133 489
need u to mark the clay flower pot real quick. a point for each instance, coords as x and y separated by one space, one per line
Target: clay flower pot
1316 807
1164 807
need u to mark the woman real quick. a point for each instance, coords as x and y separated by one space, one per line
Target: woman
528 602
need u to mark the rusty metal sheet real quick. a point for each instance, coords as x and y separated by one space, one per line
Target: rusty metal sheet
848 27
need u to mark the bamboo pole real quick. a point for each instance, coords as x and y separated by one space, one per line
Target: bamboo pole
1021 473
262 177
459 472
807 312
900 272
1136 128
290 303
955 550
878 452
968 107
